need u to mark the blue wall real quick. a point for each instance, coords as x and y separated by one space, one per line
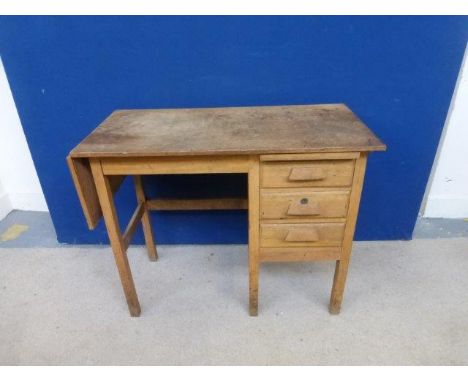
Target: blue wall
397 73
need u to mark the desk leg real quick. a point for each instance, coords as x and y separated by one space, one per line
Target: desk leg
145 219
254 240
106 201
339 281
341 269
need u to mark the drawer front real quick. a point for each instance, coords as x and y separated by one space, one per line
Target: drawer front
320 173
303 204
301 235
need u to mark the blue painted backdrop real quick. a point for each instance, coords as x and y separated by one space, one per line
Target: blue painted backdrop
397 73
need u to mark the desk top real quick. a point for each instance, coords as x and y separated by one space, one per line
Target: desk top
229 131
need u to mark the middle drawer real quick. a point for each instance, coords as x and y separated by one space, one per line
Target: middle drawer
297 204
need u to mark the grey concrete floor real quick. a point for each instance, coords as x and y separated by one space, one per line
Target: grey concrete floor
405 304
39 231
432 228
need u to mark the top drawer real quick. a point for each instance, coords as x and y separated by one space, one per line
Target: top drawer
319 173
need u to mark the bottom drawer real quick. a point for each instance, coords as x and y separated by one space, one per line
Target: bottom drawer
301 235
299 254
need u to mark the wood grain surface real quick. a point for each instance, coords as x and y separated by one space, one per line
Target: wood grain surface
233 130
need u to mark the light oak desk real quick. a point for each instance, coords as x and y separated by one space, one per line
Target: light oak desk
305 166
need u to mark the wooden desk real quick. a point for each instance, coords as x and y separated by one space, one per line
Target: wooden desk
305 167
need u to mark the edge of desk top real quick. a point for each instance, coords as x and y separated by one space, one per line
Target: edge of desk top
229 131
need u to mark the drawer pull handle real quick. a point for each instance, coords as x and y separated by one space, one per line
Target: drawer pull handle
309 235
304 209
299 174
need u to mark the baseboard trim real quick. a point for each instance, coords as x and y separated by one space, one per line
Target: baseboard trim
450 207
5 205
28 201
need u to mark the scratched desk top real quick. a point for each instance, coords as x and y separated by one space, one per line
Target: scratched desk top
229 131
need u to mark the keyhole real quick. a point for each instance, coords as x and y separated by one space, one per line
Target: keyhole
304 201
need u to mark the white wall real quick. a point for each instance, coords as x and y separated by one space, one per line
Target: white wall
447 194
19 185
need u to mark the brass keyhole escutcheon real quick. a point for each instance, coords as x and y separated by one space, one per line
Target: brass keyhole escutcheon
304 201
